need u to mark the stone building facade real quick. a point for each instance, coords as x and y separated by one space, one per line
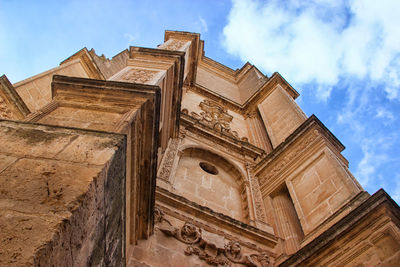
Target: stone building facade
164 157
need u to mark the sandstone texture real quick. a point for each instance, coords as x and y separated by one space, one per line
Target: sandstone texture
58 201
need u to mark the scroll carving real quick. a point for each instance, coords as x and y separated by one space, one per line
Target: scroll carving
258 200
168 160
212 248
138 75
216 117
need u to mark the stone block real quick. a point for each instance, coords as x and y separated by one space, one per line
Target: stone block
315 217
305 183
53 208
316 197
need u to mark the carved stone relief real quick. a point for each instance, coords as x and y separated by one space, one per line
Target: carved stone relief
214 249
216 117
138 75
258 202
5 111
168 160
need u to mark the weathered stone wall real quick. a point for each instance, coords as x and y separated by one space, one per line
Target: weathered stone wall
61 203
36 91
281 115
82 118
217 84
320 188
249 84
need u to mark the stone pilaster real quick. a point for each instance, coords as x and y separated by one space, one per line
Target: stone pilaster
287 221
258 134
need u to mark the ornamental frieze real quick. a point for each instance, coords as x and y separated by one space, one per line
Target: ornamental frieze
214 249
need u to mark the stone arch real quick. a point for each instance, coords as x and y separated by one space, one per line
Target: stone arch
241 170
211 180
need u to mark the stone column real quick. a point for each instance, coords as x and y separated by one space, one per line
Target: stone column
287 221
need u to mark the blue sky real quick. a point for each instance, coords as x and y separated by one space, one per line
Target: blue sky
342 56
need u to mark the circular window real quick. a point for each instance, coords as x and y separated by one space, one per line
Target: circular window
207 167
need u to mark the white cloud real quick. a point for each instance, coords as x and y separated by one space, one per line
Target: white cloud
352 47
381 112
371 161
396 190
319 41
130 38
203 25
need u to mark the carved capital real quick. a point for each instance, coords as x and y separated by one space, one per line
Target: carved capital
251 114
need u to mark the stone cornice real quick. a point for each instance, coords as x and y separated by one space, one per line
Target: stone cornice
362 213
88 63
234 76
14 102
301 131
266 89
251 104
109 94
231 143
215 218
310 138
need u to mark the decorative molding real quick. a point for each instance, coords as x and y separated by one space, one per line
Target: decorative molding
283 162
229 144
87 62
11 104
168 160
258 201
251 114
44 111
212 248
138 76
208 219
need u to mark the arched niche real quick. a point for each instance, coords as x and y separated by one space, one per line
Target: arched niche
210 180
